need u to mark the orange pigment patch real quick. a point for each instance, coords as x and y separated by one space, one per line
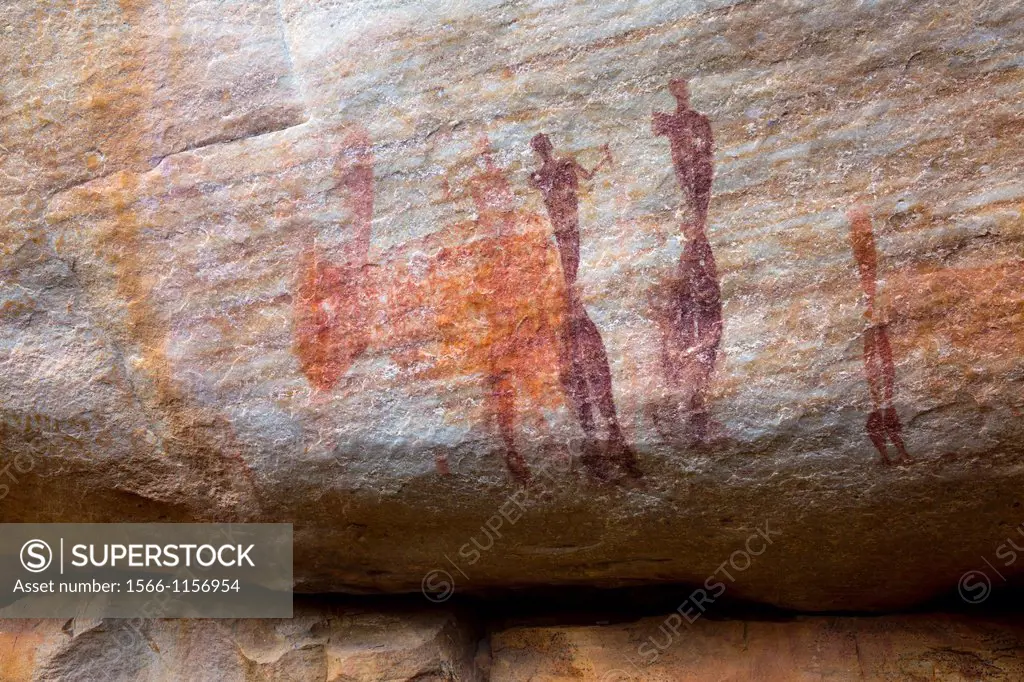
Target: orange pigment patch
194 434
979 312
330 319
17 653
135 280
332 327
489 307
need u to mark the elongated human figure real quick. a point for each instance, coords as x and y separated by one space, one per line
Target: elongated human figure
584 371
691 339
331 304
883 424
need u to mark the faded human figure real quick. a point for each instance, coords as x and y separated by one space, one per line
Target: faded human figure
484 305
493 200
883 424
331 309
692 333
583 362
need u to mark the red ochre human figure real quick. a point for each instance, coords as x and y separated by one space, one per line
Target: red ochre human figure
331 327
689 134
691 338
483 301
493 200
583 362
883 424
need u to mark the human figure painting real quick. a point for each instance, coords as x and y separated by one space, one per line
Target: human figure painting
493 200
583 362
693 332
331 329
883 424
484 306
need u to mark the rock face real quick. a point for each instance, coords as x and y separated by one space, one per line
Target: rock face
484 294
339 645
342 645
658 650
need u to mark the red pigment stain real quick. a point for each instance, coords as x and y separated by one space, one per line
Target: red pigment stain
441 462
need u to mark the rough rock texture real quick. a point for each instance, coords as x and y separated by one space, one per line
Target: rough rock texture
835 649
340 645
304 262
336 645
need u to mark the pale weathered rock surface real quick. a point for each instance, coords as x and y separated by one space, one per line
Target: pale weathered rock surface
288 261
320 643
930 647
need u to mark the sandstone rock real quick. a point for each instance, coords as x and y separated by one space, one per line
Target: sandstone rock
320 643
886 648
307 265
373 645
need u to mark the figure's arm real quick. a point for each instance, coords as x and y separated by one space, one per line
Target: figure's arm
607 158
588 174
659 123
704 134
535 180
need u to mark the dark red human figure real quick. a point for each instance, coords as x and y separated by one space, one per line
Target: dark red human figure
689 134
692 336
583 362
883 424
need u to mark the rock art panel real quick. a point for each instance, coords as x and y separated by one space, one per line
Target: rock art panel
167 335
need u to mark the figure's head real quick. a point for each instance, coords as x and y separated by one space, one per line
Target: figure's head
490 189
541 144
680 89
491 193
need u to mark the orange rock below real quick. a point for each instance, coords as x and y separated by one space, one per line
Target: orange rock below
932 647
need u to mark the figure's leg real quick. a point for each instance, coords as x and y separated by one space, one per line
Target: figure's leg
894 430
885 389
594 359
502 398
886 364
594 456
572 373
697 422
883 423
571 376
874 367
676 337
599 387
694 374
876 432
